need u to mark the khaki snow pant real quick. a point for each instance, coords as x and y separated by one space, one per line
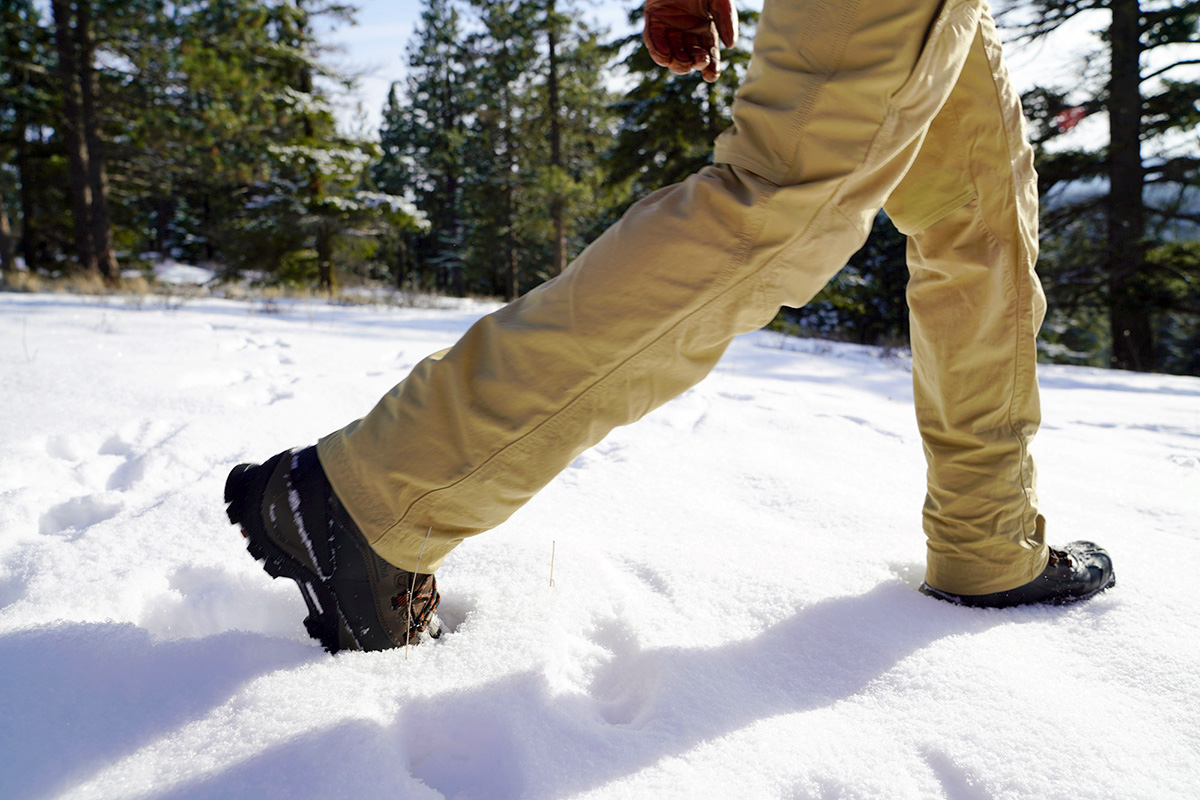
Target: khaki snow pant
849 105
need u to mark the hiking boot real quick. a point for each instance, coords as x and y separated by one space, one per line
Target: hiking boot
294 522
1076 572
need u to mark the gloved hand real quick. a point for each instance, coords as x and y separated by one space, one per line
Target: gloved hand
682 34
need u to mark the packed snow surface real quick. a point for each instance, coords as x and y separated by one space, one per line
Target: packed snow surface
733 612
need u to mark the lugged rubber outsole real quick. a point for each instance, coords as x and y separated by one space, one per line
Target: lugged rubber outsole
1059 600
244 491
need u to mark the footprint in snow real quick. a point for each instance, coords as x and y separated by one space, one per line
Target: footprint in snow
128 475
132 470
866 424
622 693
77 515
68 447
279 396
115 445
648 575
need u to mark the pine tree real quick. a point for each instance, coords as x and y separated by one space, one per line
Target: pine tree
193 129
307 191
1111 211
75 42
497 134
196 129
422 139
564 115
27 93
669 122
499 146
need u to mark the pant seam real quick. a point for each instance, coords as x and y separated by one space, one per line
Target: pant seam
727 282
832 204
1013 273
800 120
746 241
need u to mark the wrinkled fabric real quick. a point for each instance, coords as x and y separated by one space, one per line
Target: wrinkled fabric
847 107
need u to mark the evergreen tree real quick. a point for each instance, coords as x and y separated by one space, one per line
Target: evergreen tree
568 124
422 139
1111 212
27 102
76 45
310 191
500 147
192 129
497 134
197 122
669 122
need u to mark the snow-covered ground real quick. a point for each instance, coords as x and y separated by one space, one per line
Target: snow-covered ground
733 613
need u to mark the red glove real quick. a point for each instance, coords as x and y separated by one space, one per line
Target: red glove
682 34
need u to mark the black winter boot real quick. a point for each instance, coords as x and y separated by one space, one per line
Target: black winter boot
1076 572
294 522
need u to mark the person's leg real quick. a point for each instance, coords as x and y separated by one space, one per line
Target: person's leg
837 99
969 207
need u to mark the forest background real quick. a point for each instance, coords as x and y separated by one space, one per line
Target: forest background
134 131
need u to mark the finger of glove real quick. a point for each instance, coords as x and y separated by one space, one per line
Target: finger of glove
686 50
669 46
682 42
725 18
712 69
654 35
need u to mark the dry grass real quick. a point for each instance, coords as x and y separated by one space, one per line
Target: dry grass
142 291
85 283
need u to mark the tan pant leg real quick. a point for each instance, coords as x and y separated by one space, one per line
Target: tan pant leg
969 206
837 99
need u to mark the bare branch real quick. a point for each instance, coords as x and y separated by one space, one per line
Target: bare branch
1170 67
1154 17
1050 20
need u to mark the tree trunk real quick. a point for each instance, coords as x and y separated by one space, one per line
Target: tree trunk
25 198
164 212
8 250
206 216
326 274
557 205
449 240
402 262
73 135
512 272
512 275
89 83
327 277
1129 315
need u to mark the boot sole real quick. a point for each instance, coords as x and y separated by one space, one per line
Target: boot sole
244 491
1059 600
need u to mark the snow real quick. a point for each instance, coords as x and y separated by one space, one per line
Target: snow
733 612
170 271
